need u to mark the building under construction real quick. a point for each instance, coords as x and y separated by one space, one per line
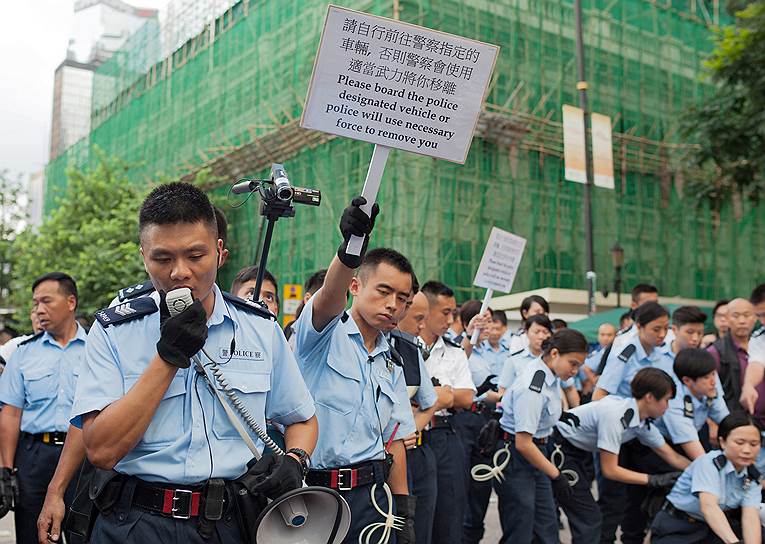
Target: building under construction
228 101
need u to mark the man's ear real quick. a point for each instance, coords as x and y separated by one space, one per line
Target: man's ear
143 257
355 286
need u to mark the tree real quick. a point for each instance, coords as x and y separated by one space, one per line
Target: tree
92 235
13 213
729 127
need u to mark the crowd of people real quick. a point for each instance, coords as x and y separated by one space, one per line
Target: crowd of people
151 426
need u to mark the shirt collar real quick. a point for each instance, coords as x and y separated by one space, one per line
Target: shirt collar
80 335
220 310
381 344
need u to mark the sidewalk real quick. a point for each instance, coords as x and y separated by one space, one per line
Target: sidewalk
7 534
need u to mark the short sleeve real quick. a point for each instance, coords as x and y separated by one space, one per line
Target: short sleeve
757 349
426 394
613 373
706 478
461 378
610 429
752 496
508 373
288 401
718 408
650 436
310 344
12 382
101 381
401 415
527 410
681 429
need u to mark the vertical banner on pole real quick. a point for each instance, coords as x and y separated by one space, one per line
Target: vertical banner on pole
499 266
574 152
602 151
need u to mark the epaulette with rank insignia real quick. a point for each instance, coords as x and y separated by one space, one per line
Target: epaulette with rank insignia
753 473
31 338
629 413
249 306
758 332
517 352
134 291
449 342
688 406
627 352
127 311
537 381
720 461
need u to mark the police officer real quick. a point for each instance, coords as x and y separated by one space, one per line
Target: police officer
37 389
179 464
447 363
531 305
426 399
717 498
362 404
602 427
537 329
530 409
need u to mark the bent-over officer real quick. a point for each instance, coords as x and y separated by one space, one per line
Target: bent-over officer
173 465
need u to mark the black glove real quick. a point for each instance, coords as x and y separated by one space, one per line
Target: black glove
663 480
272 476
9 491
486 385
405 508
182 335
435 382
570 419
355 222
488 438
561 489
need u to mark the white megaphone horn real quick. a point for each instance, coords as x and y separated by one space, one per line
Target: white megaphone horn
310 515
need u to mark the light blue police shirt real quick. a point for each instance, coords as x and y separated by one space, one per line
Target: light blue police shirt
593 359
606 424
190 419
40 379
732 489
528 411
618 374
359 395
426 395
682 425
514 366
495 359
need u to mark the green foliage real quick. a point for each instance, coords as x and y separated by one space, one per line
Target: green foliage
92 235
729 127
12 215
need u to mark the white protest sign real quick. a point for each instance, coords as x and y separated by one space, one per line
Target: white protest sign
397 85
498 267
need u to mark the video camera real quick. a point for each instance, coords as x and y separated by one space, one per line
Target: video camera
278 194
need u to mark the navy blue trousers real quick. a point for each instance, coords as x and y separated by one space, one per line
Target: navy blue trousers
527 507
667 529
422 477
450 504
36 462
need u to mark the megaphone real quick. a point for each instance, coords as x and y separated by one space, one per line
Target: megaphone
308 515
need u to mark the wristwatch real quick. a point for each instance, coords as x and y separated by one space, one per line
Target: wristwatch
305 459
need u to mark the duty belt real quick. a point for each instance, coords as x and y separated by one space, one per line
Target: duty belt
676 513
347 478
510 437
54 438
441 422
176 502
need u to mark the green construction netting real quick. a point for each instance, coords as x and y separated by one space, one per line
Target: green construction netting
244 79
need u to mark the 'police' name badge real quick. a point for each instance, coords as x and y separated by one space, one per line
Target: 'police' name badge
244 354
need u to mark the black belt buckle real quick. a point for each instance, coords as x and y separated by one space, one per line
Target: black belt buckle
181 508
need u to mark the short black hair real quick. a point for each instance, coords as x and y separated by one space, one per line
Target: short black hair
539 319
652 380
250 273
531 299
758 294
499 315
433 289
624 317
385 255
66 283
693 363
723 302
467 310
559 324
735 420
649 311
177 202
641 289
686 315
222 223
565 341
315 281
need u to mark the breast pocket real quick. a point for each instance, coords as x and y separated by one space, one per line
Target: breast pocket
41 384
338 388
251 389
386 400
168 421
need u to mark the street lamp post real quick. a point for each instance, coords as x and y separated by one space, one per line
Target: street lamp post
617 258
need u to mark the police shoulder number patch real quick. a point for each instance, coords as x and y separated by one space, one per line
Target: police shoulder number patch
537 381
627 352
629 413
687 406
720 461
126 311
